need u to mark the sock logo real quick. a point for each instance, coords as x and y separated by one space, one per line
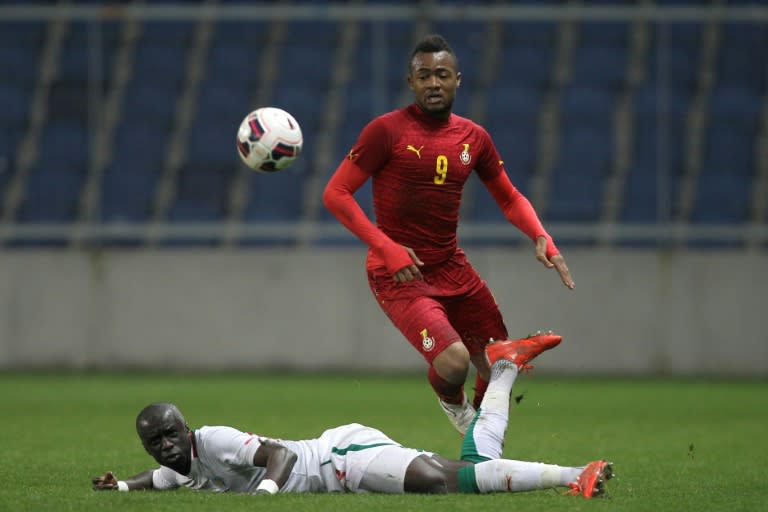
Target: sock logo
427 342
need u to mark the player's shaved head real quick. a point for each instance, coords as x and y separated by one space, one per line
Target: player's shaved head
165 435
153 413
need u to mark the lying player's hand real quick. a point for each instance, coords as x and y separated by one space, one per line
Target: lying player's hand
105 482
557 261
410 272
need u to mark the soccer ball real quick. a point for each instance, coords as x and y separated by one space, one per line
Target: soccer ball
269 140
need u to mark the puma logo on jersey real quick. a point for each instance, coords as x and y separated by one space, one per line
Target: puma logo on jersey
352 155
417 151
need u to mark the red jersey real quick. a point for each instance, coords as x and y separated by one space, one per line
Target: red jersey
419 165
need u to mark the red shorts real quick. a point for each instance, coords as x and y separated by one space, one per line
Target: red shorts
451 304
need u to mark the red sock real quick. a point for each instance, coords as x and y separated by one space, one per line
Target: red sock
480 386
448 392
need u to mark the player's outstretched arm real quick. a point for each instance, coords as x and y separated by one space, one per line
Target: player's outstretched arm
109 482
519 211
278 461
338 198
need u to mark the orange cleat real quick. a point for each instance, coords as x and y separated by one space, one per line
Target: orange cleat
521 351
592 480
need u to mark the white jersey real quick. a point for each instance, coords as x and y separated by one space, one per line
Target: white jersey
222 460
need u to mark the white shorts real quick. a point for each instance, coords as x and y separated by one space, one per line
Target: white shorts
364 454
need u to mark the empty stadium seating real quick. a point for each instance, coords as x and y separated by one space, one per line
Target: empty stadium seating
662 93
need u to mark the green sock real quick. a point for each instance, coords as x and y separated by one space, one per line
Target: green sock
468 446
467 481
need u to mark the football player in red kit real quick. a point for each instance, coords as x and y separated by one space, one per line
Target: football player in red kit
419 159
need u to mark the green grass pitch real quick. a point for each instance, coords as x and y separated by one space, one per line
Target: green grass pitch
676 444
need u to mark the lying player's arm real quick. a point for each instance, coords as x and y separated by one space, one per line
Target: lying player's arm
109 482
338 199
278 461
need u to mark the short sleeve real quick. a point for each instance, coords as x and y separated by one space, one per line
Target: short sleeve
229 445
373 146
489 164
164 479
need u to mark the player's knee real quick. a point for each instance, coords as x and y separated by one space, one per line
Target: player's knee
453 362
426 479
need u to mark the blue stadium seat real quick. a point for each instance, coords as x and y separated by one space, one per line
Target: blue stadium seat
202 193
312 65
530 33
14 105
212 143
599 66
652 101
85 44
53 185
513 106
149 103
68 101
170 33
140 145
19 65
660 126
574 197
673 57
640 201
587 151
607 34
276 197
226 66
251 35
222 105
20 45
737 106
674 68
127 193
360 107
722 198
586 105
52 194
576 188
729 149
22 34
8 143
160 63
528 65
66 142
649 197
682 34
742 56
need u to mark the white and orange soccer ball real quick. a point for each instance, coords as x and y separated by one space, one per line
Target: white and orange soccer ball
269 140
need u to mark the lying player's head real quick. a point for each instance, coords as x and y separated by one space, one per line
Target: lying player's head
165 435
433 75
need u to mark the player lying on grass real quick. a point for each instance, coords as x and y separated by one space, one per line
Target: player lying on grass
355 458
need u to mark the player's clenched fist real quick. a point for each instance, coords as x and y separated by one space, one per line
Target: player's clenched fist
105 482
